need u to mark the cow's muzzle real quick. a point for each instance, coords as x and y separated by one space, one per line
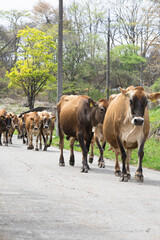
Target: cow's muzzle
46 126
138 121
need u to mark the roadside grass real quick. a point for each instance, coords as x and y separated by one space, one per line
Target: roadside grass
151 149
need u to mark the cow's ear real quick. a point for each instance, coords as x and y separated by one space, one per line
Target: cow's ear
53 117
91 103
123 91
153 96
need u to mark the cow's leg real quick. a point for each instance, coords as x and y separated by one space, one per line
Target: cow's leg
40 141
19 133
101 163
85 150
36 147
0 139
45 142
124 177
61 145
91 157
138 174
23 136
30 139
50 140
117 166
6 142
11 135
72 159
129 152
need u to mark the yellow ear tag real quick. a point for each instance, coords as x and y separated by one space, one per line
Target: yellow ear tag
154 100
91 105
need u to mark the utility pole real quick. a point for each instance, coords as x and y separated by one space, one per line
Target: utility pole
60 51
141 66
60 58
108 58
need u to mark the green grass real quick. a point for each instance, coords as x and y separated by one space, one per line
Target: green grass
151 149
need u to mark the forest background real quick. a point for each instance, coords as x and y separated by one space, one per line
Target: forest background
134 48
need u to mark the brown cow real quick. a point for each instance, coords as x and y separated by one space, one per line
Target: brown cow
126 124
14 126
5 120
22 128
76 117
47 127
33 124
2 123
98 137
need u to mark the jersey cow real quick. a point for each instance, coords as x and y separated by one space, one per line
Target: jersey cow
5 125
76 117
14 126
33 124
126 124
47 127
98 137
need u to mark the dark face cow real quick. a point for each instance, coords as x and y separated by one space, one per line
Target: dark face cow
126 124
7 122
76 117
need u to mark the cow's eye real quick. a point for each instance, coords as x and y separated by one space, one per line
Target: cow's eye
131 101
102 109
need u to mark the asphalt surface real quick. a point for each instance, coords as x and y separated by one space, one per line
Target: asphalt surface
41 201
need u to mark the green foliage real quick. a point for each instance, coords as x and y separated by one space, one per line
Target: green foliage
36 65
96 94
125 64
156 85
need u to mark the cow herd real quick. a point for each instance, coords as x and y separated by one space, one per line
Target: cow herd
123 122
39 124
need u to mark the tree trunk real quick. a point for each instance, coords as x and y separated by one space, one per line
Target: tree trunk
31 102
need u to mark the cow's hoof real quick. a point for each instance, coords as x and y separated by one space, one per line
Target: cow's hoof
48 145
101 164
117 173
124 178
45 149
30 148
72 160
84 170
139 177
129 176
36 149
62 164
0 144
6 144
90 159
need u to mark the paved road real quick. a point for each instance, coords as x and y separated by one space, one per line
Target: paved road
41 201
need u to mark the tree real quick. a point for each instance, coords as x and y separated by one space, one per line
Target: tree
45 13
36 65
125 65
14 21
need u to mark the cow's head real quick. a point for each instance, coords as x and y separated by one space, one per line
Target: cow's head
98 109
15 122
2 122
8 121
138 100
47 119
